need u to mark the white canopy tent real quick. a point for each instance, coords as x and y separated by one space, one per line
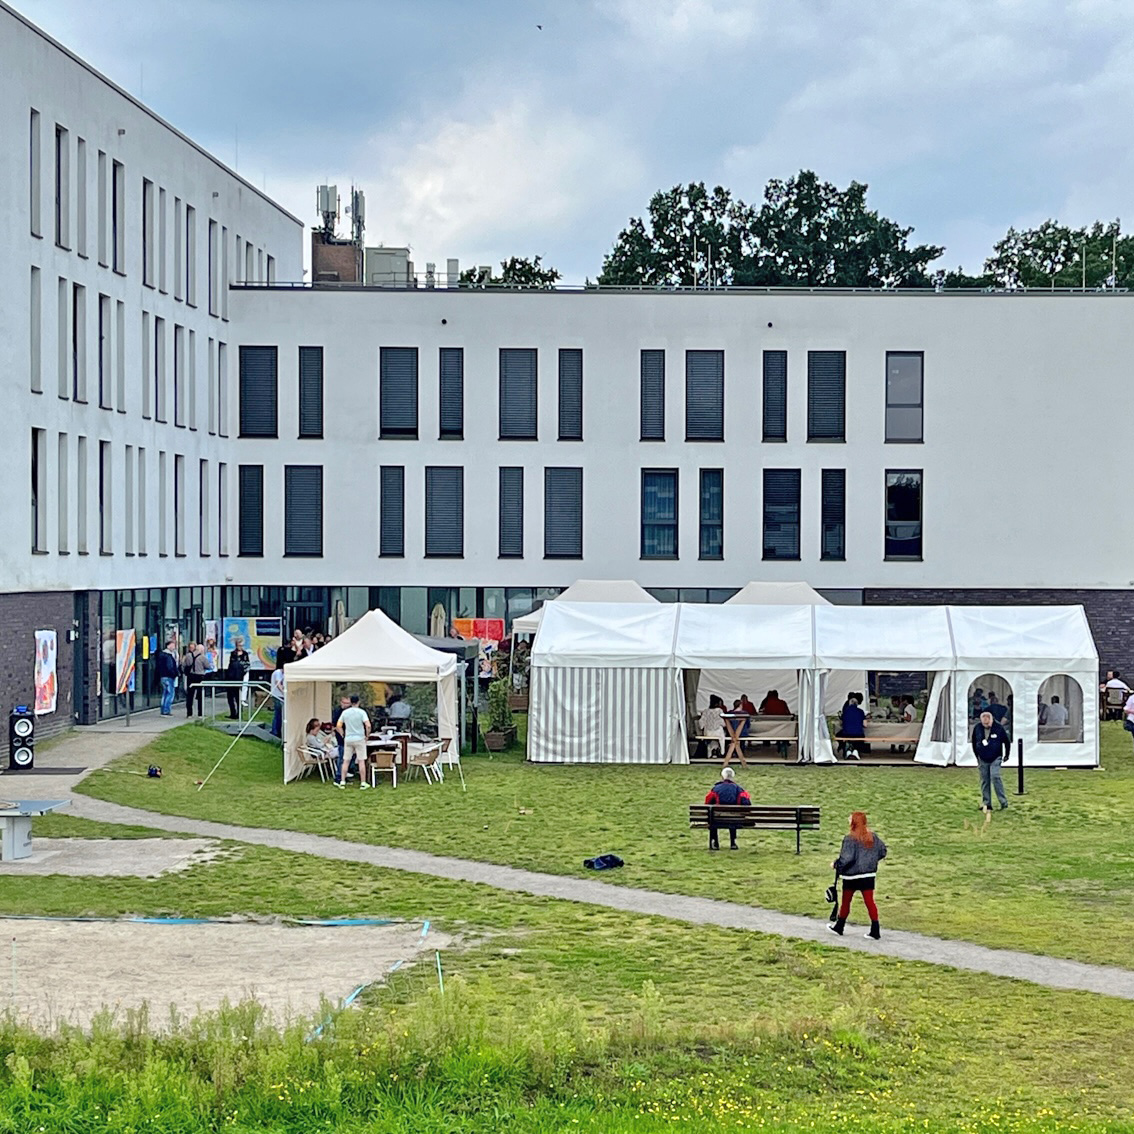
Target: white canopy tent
374 648
604 686
587 590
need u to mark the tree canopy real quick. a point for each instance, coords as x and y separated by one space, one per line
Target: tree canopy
1056 255
516 271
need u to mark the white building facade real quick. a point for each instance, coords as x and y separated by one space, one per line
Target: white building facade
189 438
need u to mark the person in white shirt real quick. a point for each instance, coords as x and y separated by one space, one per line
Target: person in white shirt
277 700
354 724
712 724
1056 713
1116 682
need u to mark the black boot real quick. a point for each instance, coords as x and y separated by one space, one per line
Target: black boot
874 931
838 925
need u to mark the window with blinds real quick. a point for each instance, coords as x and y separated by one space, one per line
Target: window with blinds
397 392
653 395
562 513
451 395
570 394
704 395
303 510
712 514
392 511
310 391
444 512
833 504
511 513
826 395
659 514
250 522
259 391
781 513
519 379
775 395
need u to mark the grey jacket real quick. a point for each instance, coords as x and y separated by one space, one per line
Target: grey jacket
857 861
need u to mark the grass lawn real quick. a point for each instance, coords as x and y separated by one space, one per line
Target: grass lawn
1053 874
560 1016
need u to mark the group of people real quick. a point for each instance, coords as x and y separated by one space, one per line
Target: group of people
197 664
712 719
346 734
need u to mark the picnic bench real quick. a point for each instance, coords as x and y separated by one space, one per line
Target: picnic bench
15 824
762 728
757 816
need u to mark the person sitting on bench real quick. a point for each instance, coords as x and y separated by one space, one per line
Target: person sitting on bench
774 705
728 792
712 726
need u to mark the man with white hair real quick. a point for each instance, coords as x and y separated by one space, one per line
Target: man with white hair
728 792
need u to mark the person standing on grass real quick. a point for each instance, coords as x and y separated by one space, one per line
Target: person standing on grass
344 704
728 792
354 724
167 670
278 695
991 746
857 866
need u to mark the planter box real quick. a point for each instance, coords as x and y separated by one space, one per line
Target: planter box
498 741
518 702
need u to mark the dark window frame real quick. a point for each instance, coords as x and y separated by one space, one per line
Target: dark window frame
291 536
510 527
450 386
773 375
671 474
391 531
716 434
247 519
814 435
920 521
431 533
919 405
503 399
705 527
570 391
247 403
309 379
833 485
388 429
548 479
647 357
770 554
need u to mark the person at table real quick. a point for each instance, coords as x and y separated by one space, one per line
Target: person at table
774 705
1057 715
991 747
978 704
852 727
315 742
746 706
728 792
1000 712
712 724
336 713
354 724
400 711
1114 681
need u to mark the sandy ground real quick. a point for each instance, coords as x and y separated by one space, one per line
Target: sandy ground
121 858
67 971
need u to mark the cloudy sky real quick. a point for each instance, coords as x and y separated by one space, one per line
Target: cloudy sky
478 135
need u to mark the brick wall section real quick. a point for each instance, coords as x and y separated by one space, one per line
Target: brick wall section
1110 613
343 259
21 615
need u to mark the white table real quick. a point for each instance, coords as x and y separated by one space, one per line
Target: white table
15 824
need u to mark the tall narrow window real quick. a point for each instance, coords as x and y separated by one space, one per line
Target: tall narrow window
712 514
118 217
222 389
81 510
250 523
259 389
213 269
162 234
101 188
570 395
143 502
81 197
128 503
653 395
147 366
161 393
35 182
833 538
63 489
905 394
163 504
303 510
826 395
511 505
903 514
105 499
704 395
190 255
310 391
659 514
271 269
148 245
63 337
178 376
39 490
120 353
222 508
212 388
204 519
392 511
191 378
79 343
775 395
62 187
178 249
781 513
35 332
397 392
444 512
249 262
105 378
179 504
451 394
223 273
519 380
238 263
563 513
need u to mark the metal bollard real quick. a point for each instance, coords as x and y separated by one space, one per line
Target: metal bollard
1020 766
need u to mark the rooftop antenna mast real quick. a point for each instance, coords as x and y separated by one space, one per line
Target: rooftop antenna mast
357 213
327 206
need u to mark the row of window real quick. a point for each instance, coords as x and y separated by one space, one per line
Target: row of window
518 394
123 484
563 513
155 223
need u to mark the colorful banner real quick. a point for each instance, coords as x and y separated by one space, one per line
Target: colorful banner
46 648
486 629
261 637
125 647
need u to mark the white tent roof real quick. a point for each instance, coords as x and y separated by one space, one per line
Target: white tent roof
375 648
883 637
777 594
744 637
587 590
604 634
1018 638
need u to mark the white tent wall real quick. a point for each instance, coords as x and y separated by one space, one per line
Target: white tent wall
300 705
588 590
939 750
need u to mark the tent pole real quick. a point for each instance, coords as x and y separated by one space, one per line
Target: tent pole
243 729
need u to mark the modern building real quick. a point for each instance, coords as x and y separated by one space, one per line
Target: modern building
189 438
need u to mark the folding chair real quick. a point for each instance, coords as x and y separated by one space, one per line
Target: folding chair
428 760
383 760
309 760
454 757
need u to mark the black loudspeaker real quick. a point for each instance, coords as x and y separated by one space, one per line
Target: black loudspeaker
21 739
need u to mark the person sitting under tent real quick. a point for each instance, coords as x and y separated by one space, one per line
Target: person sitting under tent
1057 714
852 727
712 724
774 705
728 792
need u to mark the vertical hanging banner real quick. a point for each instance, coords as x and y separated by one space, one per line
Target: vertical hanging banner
125 645
46 648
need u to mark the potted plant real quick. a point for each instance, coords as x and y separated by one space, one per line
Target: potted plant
501 731
519 695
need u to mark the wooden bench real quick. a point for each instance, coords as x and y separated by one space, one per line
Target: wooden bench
758 817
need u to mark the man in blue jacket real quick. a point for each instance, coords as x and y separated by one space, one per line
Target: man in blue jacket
167 672
991 747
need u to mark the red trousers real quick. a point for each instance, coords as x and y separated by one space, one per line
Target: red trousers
867 897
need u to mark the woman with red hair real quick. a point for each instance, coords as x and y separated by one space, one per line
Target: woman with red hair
857 865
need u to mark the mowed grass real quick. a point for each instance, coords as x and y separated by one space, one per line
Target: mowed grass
1053 874
565 1016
